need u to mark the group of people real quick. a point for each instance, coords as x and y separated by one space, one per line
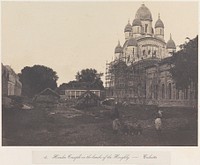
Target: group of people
137 129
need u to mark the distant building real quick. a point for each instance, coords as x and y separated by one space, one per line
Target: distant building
76 89
76 93
161 88
140 71
46 99
10 82
87 99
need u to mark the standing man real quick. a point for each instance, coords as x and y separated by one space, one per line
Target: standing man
116 110
116 126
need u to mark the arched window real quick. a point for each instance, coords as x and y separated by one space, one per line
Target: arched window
143 52
156 92
160 31
186 93
170 91
138 30
112 93
154 53
150 91
177 94
139 89
163 91
128 58
146 25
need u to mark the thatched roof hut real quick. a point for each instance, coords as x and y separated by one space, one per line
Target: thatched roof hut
47 96
88 99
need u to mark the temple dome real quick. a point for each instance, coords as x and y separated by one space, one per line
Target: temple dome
143 13
118 48
136 22
128 27
171 44
132 42
159 22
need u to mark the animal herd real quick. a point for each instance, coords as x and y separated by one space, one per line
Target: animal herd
134 128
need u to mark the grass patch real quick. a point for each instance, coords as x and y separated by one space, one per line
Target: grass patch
93 127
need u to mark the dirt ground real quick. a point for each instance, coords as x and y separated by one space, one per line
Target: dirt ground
66 126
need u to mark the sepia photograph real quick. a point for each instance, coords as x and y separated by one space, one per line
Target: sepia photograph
99 73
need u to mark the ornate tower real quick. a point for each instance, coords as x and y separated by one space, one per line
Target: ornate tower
118 51
131 53
137 27
171 46
128 31
144 15
159 28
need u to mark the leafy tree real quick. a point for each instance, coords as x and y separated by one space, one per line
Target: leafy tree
87 75
90 76
185 64
37 78
87 79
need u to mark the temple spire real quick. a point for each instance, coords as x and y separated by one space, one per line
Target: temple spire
143 3
118 42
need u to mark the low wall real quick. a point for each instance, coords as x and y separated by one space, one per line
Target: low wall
6 102
172 103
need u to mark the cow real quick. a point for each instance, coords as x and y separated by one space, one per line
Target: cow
132 128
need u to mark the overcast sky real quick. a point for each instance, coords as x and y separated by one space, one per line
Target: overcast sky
70 36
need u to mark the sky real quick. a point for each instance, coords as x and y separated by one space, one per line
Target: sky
71 36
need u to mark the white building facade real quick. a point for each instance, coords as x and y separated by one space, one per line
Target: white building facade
143 39
139 73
